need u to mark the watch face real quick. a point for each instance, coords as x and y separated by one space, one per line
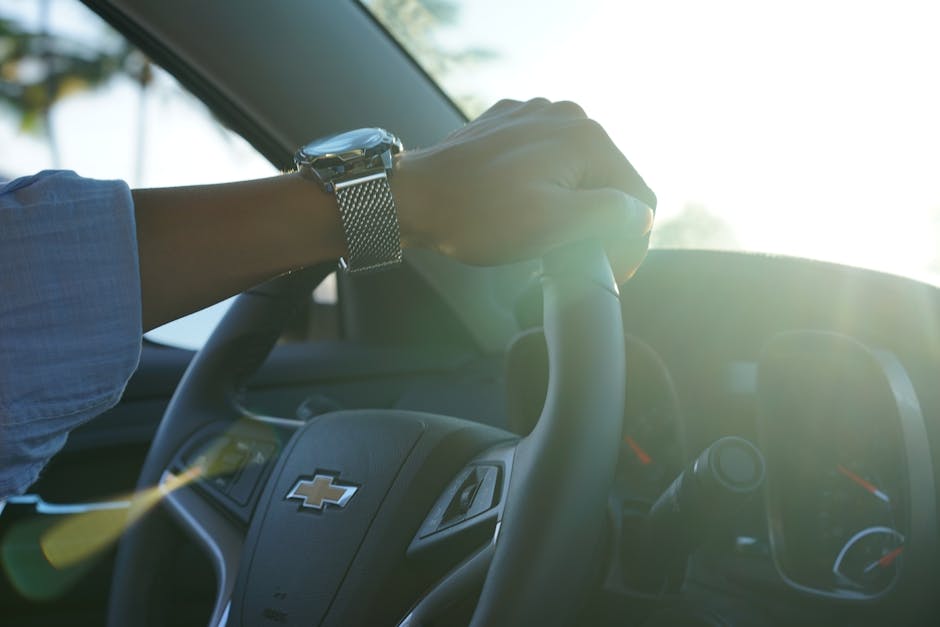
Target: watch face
348 155
345 142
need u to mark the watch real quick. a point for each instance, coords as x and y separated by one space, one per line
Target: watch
354 166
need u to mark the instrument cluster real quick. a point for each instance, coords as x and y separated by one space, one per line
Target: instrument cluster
847 511
846 453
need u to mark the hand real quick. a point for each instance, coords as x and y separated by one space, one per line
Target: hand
519 180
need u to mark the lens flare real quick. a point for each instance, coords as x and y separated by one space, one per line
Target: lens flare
45 556
82 536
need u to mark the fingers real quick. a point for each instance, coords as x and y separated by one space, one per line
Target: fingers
509 107
621 221
607 213
500 117
566 109
626 255
521 179
623 176
602 163
620 173
563 109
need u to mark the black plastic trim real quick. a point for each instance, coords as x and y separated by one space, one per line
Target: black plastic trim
414 62
227 111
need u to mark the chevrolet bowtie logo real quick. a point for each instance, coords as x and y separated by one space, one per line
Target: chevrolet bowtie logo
321 491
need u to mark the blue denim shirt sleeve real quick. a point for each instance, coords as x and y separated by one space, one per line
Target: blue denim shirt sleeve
70 329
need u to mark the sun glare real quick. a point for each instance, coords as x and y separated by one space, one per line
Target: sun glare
809 127
45 556
806 128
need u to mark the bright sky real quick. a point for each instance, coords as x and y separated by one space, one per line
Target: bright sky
811 126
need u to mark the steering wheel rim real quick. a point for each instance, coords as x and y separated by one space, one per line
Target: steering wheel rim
554 510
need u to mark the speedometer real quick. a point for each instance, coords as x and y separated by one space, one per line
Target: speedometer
652 450
838 489
856 522
869 560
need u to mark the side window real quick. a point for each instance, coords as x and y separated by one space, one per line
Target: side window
76 95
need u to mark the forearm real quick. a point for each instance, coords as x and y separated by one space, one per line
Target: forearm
523 178
198 245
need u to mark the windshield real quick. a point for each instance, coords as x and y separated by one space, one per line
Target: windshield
803 127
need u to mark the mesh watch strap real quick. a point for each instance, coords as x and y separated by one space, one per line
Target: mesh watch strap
370 223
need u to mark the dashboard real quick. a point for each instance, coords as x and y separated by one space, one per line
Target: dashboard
828 370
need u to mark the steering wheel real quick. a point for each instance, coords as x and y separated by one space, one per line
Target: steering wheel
348 515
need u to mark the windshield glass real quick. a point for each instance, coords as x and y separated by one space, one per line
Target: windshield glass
805 128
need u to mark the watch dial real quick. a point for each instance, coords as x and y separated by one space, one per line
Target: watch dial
343 142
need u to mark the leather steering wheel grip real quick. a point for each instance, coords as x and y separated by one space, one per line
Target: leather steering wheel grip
552 530
237 346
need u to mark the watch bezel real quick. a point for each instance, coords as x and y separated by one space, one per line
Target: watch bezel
330 165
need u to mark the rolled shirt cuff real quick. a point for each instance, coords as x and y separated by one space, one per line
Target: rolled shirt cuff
70 323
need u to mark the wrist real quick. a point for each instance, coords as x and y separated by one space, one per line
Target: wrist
410 201
312 228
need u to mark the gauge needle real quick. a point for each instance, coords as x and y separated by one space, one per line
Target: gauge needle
871 489
886 560
641 455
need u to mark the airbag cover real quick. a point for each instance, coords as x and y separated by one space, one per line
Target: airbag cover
296 555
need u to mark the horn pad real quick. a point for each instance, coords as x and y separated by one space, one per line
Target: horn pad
310 523
341 506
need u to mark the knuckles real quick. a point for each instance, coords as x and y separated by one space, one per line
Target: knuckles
505 103
569 109
537 103
562 108
564 123
585 132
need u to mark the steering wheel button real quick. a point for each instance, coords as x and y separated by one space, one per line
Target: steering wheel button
244 486
221 483
471 493
485 495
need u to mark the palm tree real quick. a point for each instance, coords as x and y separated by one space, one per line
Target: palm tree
415 23
40 69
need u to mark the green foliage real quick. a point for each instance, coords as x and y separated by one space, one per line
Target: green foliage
39 69
416 24
695 227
